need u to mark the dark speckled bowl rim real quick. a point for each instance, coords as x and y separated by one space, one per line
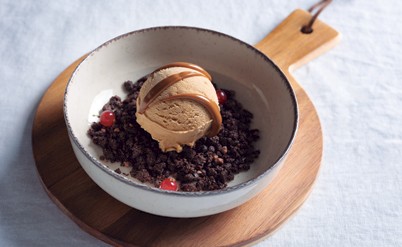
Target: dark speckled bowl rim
182 193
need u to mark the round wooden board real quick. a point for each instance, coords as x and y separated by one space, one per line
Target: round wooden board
116 223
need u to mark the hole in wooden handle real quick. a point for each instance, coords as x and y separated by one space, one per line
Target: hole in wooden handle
306 29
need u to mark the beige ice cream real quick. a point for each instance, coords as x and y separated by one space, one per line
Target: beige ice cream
178 105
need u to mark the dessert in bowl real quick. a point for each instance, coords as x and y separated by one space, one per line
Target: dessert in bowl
259 85
173 131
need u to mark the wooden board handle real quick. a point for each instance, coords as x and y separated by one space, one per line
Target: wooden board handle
289 48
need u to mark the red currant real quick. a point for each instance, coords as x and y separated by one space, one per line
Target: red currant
107 118
169 184
221 96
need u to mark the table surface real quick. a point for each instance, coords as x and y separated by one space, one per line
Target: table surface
356 88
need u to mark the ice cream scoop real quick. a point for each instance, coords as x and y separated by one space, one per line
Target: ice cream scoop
178 105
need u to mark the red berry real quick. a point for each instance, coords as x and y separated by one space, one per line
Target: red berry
107 118
169 184
221 96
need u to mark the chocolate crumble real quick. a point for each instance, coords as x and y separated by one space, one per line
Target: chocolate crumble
209 165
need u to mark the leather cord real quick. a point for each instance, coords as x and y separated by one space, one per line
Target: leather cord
320 6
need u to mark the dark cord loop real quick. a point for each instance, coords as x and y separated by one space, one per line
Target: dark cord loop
321 6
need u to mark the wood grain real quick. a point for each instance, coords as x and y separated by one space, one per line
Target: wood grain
113 222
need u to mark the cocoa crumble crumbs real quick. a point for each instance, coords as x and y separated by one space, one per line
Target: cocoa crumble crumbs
209 165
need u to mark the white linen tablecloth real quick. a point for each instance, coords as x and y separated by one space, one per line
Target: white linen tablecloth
356 87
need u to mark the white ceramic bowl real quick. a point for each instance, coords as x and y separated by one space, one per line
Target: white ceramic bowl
260 86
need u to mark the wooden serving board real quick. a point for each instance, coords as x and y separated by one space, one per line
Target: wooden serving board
116 223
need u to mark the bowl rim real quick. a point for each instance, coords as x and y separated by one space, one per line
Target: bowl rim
143 186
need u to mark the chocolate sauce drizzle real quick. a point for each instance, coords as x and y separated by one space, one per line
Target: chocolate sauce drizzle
186 65
161 86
